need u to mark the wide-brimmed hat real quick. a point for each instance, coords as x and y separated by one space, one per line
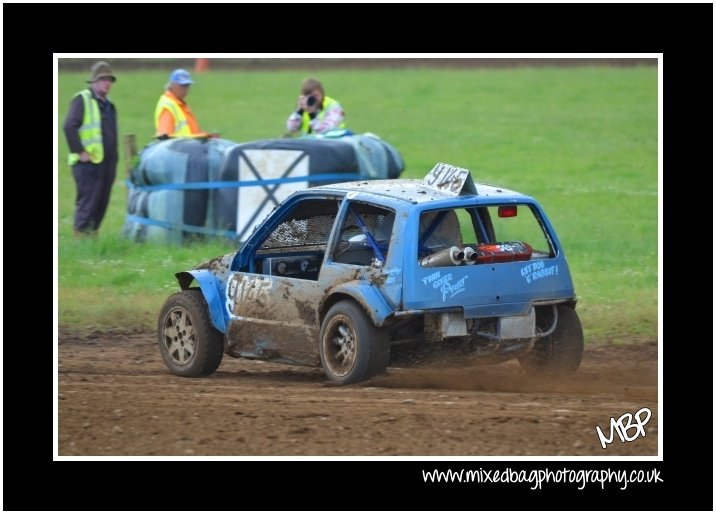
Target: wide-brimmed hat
101 70
181 77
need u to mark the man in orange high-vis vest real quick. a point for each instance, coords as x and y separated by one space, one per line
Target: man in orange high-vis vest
172 116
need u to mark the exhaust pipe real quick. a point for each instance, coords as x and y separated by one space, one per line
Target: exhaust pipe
470 255
447 257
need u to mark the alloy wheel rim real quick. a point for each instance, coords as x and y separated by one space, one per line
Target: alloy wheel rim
179 337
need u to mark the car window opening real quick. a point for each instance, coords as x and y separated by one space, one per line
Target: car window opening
482 235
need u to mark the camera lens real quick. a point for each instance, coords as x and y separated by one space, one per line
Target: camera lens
310 101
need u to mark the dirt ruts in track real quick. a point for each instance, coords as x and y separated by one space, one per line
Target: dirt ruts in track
116 397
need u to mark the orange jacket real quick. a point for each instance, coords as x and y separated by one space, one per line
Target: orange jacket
166 123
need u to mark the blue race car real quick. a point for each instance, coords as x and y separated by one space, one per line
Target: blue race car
357 275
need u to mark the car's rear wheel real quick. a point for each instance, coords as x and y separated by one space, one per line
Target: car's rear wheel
559 353
352 349
188 342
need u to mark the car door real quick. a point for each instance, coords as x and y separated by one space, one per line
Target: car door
274 303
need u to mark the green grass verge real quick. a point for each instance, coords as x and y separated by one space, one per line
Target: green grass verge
583 141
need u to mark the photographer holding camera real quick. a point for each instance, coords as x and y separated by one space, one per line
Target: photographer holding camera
315 112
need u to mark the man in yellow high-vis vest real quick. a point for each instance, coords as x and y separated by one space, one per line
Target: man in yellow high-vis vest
91 131
315 112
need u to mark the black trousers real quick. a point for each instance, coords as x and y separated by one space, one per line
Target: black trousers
94 186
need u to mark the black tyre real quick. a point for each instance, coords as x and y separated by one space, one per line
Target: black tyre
188 342
560 353
352 349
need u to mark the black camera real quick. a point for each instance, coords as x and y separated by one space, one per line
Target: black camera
311 101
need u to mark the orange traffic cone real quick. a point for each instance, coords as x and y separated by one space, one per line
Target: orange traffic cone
202 65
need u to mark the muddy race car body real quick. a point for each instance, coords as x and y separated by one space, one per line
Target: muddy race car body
347 275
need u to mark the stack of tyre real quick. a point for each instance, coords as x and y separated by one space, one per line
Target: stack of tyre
159 209
366 155
165 211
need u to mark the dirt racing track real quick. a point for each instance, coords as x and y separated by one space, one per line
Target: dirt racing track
116 397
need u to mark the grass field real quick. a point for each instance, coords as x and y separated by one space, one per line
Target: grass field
583 141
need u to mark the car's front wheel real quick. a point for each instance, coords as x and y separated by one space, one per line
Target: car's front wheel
188 342
352 349
559 353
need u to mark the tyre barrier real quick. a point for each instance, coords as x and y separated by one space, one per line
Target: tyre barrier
188 188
